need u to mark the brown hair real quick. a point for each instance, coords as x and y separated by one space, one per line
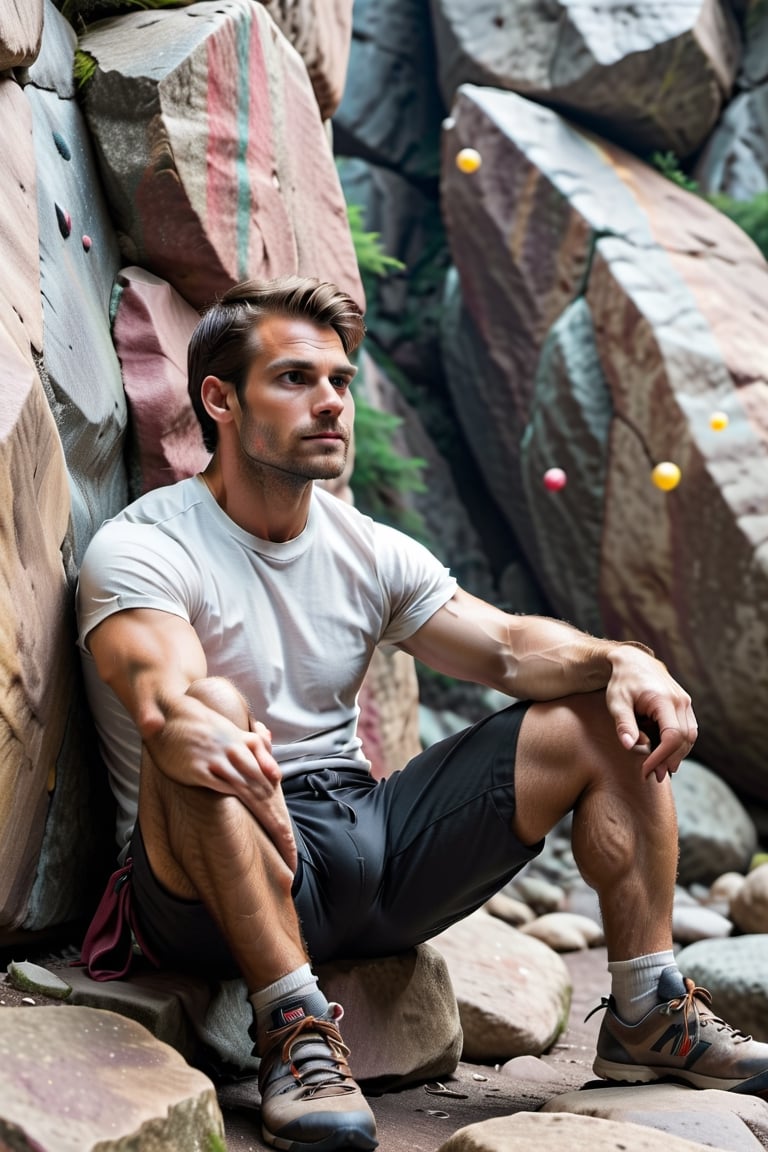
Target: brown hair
224 341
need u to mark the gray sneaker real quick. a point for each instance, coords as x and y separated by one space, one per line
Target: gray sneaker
309 1100
681 1039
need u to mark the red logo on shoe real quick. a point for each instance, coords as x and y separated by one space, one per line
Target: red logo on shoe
291 1015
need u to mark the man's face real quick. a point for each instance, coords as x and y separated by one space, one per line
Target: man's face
296 411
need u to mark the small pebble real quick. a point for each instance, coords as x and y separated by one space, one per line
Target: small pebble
62 146
28 1000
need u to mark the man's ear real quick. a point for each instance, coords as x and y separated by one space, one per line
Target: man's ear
219 399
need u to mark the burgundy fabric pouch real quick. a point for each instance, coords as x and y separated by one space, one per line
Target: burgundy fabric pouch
107 950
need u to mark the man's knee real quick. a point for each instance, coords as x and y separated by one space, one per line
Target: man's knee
220 694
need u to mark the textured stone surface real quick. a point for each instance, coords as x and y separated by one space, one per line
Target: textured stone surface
513 991
391 109
36 641
320 31
552 1132
717 1119
401 1020
21 31
735 158
649 76
749 906
82 372
151 331
22 314
715 831
190 111
53 69
75 1079
735 971
677 298
692 922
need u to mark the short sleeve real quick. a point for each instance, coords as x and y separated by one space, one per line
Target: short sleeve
129 565
414 582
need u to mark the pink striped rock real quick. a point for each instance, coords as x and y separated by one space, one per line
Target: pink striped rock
214 157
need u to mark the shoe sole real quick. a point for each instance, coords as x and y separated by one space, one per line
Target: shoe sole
645 1074
358 1139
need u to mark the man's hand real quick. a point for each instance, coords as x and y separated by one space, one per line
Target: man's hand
196 729
653 714
200 747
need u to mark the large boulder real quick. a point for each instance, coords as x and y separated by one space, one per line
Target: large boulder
649 76
189 111
735 972
671 298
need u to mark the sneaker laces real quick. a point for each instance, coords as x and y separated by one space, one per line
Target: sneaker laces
702 1015
315 1070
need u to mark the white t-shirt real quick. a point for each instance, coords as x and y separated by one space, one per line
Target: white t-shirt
293 625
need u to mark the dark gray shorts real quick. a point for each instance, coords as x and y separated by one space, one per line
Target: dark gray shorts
383 865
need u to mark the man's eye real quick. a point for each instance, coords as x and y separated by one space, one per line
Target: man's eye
340 382
293 377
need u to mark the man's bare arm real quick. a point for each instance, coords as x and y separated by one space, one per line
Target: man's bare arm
536 658
150 659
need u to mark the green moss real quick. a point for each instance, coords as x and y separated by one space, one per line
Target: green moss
372 260
382 476
84 68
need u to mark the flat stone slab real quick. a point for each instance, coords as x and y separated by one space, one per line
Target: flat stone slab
553 1133
723 1119
76 1079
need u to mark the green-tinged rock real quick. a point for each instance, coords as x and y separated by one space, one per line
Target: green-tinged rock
32 978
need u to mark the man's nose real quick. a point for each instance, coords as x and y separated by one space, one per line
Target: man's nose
327 398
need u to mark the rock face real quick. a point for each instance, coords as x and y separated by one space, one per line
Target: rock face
584 256
652 77
320 31
189 112
76 1079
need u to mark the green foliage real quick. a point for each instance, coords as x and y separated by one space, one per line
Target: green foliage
669 166
381 476
85 66
750 215
215 1143
372 260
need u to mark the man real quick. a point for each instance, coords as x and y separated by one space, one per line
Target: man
226 624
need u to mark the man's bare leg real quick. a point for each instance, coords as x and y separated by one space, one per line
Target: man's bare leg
624 832
657 1025
203 845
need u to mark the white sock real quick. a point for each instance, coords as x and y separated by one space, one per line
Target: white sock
297 986
634 983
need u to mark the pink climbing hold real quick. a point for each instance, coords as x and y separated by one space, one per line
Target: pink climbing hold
87 242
